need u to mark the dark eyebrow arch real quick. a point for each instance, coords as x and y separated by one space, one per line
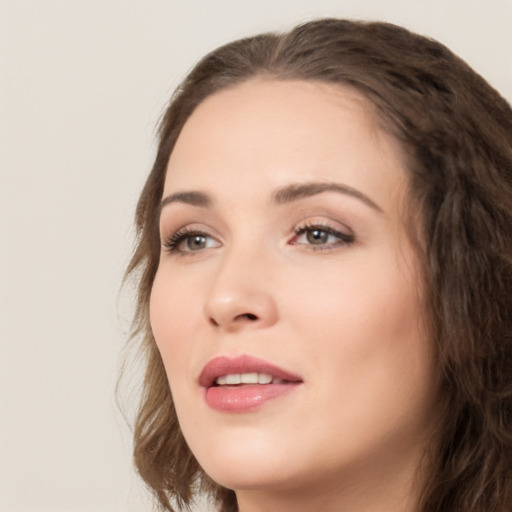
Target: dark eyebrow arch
191 197
284 195
298 191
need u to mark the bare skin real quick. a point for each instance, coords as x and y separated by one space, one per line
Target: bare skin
291 247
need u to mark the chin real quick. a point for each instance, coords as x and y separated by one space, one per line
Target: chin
255 476
245 462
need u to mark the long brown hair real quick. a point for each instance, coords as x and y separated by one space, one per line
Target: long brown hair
457 133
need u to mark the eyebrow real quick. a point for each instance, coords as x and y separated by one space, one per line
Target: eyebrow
284 195
298 191
192 197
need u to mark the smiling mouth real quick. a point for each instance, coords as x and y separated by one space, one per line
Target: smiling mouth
244 384
236 379
227 371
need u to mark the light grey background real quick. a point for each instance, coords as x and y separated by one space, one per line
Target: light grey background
82 84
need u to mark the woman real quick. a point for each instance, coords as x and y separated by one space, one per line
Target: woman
324 267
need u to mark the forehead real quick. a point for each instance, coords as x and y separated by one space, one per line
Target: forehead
274 132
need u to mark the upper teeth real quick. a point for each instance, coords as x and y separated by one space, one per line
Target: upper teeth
247 378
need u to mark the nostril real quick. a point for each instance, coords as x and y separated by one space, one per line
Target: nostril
247 316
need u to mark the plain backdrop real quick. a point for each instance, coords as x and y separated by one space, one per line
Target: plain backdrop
82 84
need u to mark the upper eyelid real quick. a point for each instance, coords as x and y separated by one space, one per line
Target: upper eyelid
344 234
178 216
315 222
166 231
323 220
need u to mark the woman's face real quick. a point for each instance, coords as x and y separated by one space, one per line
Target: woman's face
285 258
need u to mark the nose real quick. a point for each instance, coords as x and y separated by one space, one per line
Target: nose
241 295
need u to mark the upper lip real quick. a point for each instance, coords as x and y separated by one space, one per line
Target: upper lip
224 365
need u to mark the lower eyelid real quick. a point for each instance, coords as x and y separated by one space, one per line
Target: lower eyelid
341 239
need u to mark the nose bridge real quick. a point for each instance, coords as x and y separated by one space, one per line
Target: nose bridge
241 294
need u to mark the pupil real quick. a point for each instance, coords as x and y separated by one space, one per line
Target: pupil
317 236
197 242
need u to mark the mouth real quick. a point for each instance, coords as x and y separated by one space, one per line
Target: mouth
235 379
244 383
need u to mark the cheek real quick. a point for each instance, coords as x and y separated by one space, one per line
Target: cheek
371 363
358 301
170 321
364 325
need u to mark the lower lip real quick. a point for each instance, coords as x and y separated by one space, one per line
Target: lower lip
245 398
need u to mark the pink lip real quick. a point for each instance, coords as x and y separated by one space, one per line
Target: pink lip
246 397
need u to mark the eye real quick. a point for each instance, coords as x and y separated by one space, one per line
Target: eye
188 241
321 236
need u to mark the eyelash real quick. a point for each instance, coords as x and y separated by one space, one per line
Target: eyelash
173 242
344 239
